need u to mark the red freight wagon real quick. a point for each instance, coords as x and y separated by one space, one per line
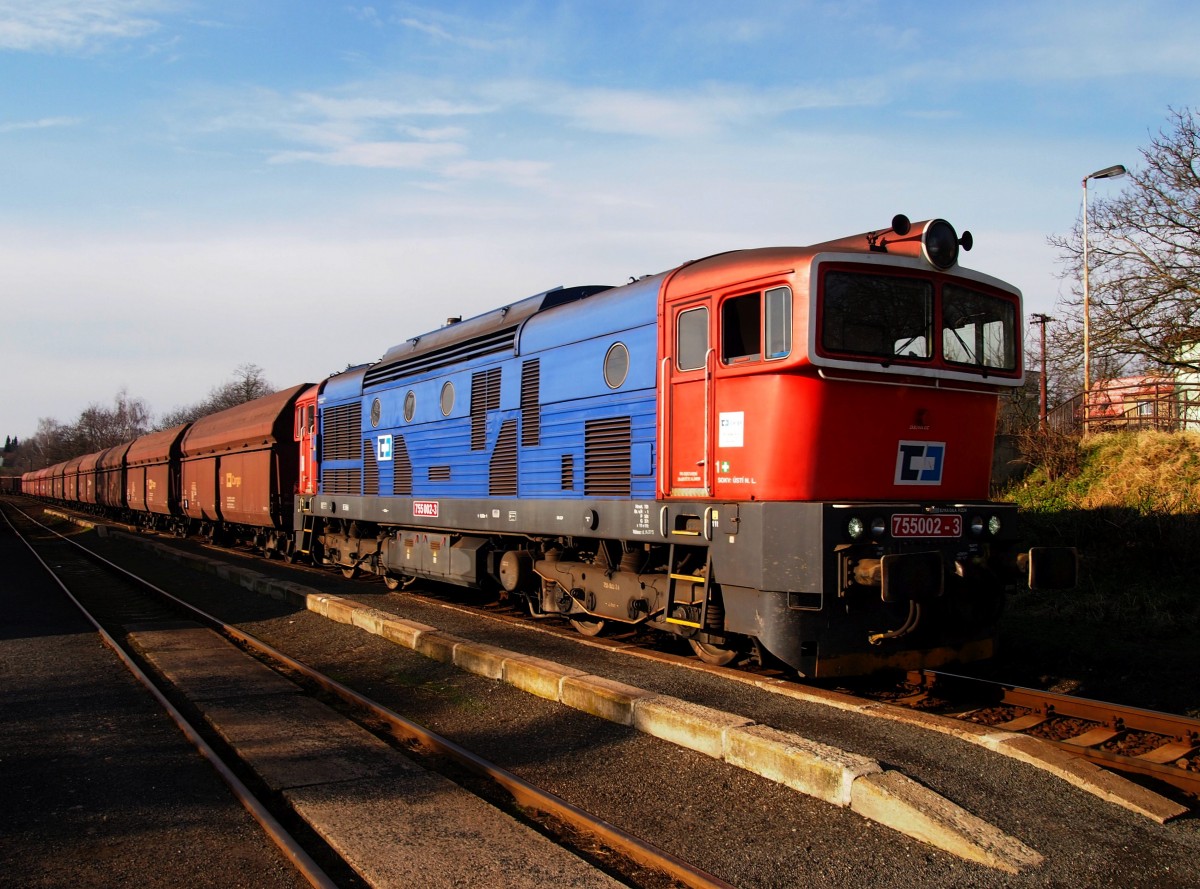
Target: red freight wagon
152 474
87 478
70 490
239 467
111 477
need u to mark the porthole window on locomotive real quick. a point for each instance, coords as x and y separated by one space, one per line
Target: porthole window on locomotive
616 365
410 405
376 412
447 398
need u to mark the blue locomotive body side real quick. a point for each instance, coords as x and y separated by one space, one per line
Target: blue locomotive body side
466 419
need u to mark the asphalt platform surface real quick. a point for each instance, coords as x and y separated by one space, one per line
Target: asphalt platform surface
99 786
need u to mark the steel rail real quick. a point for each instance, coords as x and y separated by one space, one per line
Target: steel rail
278 834
522 792
1116 716
1183 732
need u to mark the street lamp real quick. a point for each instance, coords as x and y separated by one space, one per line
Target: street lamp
1042 320
1113 172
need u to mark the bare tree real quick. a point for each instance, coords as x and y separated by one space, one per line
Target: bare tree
248 383
97 428
1144 258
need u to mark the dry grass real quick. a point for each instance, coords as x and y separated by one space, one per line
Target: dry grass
1150 472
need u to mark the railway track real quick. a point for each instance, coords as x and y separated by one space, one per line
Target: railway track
1149 743
1134 741
1159 746
113 598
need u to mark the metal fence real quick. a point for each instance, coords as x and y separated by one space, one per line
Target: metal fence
1135 403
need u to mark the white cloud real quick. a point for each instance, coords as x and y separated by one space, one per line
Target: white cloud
75 25
41 124
395 155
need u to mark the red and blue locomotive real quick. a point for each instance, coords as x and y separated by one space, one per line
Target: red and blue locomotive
780 452
772 453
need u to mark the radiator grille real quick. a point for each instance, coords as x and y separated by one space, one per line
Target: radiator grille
446 356
607 467
503 470
341 428
439 473
485 396
341 481
568 472
370 468
401 468
531 412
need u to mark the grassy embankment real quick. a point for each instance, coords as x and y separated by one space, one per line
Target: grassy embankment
1131 630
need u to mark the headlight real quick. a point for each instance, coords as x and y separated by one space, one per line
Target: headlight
940 242
977 525
994 525
878 528
854 528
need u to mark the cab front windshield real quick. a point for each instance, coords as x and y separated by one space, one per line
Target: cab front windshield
910 320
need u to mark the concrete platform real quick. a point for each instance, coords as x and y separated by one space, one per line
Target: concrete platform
394 822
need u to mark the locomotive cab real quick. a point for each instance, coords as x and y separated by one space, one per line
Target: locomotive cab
848 394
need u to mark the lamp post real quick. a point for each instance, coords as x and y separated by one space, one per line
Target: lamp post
1042 320
1112 172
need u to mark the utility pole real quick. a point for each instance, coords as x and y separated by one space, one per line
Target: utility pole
1042 320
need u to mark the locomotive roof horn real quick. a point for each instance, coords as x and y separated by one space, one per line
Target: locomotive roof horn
900 226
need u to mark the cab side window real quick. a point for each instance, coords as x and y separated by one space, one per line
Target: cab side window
743 331
741 328
691 338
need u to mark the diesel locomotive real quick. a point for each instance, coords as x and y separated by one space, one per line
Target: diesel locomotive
778 453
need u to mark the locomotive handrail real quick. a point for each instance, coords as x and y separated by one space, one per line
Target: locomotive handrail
708 380
664 390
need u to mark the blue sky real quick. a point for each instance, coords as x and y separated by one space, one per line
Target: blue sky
186 186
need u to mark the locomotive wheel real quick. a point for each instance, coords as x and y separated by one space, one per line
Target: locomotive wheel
712 654
588 626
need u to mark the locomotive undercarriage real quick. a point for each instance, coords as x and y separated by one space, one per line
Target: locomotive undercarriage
764 580
590 582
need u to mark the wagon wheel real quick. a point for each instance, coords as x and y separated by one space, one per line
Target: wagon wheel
716 655
350 572
588 626
392 582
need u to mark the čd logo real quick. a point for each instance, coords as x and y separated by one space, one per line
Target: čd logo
920 462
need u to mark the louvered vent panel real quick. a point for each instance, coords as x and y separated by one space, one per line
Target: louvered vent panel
370 468
607 468
503 470
401 468
485 396
341 428
447 356
341 481
568 472
439 473
531 411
